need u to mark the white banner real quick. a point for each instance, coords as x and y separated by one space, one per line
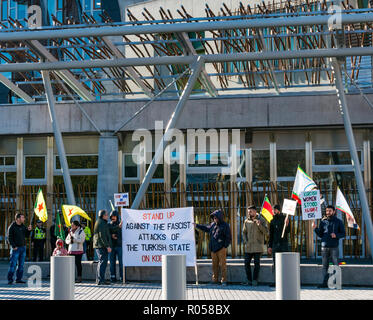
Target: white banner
311 208
289 207
121 199
148 234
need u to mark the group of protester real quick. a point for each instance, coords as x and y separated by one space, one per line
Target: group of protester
255 232
107 239
107 242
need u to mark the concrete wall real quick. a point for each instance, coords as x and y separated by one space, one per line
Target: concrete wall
311 274
258 112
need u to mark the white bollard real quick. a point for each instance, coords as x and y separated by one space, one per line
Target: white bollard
62 286
173 277
287 276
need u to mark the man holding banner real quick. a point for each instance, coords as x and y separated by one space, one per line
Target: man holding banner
330 230
278 240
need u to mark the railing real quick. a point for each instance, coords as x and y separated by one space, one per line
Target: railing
232 198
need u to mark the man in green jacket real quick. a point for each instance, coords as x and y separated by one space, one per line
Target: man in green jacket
102 245
254 233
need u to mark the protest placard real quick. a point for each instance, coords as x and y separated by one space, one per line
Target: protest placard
289 206
121 199
149 234
311 208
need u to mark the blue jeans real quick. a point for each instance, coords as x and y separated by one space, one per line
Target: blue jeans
16 256
116 252
102 255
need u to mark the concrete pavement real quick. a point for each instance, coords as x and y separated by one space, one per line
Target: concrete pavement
152 291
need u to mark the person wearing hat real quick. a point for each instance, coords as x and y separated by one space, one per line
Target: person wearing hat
38 238
254 233
116 251
276 243
220 239
102 245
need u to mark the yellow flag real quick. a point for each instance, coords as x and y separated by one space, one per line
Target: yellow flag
40 208
70 211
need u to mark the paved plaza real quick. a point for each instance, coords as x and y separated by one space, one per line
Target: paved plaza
153 291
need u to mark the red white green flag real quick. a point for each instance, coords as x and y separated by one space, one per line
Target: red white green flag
342 205
40 207
303 182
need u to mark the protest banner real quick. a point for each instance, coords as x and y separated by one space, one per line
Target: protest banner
121 199
311 208
288 207
149 234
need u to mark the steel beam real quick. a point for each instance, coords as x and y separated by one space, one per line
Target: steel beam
189 50
100 31
245 56
196 70
130 70
271 69
58 137
18 91
336 65
65 75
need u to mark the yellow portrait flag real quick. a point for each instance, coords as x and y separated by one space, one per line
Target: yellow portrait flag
70 211
40 207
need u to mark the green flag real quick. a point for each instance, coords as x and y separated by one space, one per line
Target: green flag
58 229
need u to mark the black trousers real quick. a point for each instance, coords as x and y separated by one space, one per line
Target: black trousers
248 258
278 248
78 263
38 250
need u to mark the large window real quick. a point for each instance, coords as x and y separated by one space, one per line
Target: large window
130 168
8 169
79 162
261 170
335 166
287 164
14 9
94 8
35 170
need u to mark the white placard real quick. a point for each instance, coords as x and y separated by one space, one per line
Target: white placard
149 234
311 208
289 207
121 199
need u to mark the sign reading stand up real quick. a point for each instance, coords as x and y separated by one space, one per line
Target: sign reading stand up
149 234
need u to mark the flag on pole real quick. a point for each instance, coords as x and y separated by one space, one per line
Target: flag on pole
342 205
59 232
303 182
70 211
267 211
40 208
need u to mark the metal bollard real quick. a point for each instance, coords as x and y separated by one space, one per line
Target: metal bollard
173 277
62 285
287 276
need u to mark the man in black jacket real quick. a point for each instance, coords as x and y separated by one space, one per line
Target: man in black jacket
116 251
17 233
277 243
220 239
102 245
330 230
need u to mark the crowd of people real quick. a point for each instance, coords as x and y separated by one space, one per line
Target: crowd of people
258 236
